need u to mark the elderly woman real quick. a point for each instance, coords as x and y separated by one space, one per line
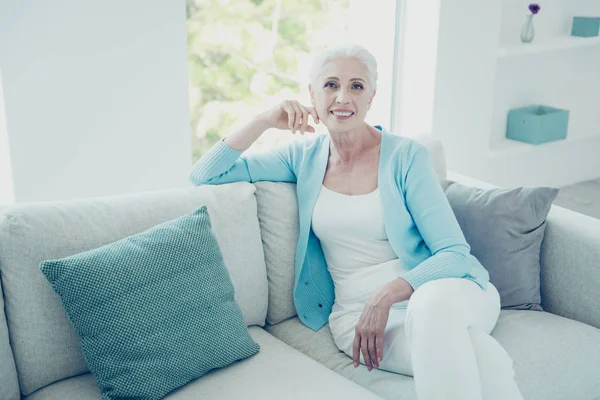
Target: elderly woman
380 254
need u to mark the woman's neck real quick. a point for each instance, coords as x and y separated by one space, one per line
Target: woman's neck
347 146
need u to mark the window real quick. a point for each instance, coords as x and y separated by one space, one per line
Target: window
248 55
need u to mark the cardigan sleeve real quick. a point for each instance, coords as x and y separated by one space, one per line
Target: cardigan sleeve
224 164
435 221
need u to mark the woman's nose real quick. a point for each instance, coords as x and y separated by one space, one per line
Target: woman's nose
342 96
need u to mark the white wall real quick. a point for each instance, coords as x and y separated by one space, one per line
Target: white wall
417 59
96 97
464 81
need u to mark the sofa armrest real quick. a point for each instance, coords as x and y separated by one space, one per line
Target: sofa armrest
569 260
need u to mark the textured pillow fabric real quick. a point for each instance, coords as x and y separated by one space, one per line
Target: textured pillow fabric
505 228
154 310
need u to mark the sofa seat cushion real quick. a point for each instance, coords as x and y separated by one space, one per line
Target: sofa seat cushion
321 347
554 357
277 371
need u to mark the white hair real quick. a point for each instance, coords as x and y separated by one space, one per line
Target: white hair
345 51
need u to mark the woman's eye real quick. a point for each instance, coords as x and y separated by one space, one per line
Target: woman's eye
330 84
357 86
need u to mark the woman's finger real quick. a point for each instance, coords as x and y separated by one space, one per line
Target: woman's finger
379 349
356 350
297 117
304 120
310 129
364 346
290 113
374 351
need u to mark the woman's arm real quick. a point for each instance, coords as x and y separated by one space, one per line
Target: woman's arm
435 220
224 162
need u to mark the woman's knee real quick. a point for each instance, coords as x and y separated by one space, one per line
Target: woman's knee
438 303
439 294
493 360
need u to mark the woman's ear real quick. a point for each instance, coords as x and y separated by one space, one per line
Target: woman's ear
371 99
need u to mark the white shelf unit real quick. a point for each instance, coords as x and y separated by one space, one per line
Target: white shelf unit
482 71
556 44
508 146
556 70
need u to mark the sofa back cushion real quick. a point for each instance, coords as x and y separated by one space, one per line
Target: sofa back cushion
278 216
436 152
45 346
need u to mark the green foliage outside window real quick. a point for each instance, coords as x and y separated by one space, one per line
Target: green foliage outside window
248 55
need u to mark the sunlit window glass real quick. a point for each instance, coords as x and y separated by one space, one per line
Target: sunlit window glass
248 55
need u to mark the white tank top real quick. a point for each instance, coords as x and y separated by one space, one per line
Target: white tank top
355 244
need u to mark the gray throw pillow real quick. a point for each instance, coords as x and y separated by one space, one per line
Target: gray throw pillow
505 228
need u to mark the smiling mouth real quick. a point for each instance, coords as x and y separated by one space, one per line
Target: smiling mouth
342 114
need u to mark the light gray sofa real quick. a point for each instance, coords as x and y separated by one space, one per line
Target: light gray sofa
556 353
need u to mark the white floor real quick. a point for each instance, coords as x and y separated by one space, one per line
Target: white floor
583 197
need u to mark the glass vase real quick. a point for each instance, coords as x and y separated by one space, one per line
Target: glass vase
528 32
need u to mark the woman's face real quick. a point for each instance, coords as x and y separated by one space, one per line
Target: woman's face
341 94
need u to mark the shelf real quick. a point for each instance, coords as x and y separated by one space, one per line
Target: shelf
509 146
569 42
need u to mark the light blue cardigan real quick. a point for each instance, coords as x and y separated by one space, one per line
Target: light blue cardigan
421 227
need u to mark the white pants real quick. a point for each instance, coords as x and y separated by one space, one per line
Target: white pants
442 339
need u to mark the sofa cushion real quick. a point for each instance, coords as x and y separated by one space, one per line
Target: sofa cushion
154 310
436 153
277 372
320 346
33 232
554 358
505 228
278 216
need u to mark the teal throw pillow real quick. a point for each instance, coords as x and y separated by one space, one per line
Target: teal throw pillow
155 310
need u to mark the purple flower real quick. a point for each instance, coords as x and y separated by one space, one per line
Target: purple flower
534 8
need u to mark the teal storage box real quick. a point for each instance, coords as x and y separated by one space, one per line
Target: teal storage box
585 26
537 124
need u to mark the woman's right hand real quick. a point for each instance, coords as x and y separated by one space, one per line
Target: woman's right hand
292 115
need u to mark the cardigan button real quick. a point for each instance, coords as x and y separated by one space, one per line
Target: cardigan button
320 305
306 283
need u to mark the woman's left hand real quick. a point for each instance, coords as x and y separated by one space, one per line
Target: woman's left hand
368 333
